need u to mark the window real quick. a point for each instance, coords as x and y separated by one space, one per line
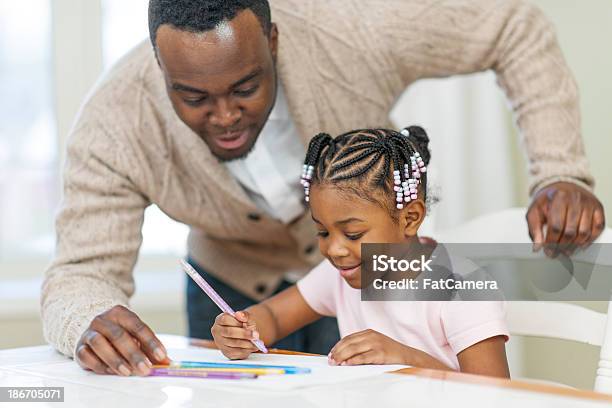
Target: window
41 92
124 25
29 188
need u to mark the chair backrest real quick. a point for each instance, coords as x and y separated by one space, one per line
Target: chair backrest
534 318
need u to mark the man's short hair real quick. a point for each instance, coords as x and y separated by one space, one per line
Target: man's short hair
198 16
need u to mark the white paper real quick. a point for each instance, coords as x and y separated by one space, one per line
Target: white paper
321 373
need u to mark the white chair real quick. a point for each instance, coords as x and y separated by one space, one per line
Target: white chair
534 318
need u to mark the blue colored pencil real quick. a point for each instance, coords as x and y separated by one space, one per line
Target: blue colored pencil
203 364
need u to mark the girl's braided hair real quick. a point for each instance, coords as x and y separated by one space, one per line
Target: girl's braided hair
371 163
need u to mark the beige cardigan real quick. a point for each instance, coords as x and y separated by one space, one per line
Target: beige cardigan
343 64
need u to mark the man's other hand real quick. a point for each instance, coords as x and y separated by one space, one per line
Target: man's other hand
573 217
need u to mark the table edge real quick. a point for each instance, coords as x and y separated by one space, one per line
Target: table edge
503 383
455 376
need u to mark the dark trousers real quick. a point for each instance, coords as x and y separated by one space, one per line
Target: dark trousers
318 337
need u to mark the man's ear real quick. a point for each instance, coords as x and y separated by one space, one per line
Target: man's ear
156 56
273 41
412 216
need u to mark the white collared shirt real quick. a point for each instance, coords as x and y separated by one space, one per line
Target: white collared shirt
270 173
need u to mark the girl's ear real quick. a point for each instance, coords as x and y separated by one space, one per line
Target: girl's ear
412 216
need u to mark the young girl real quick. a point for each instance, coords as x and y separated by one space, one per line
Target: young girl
369 186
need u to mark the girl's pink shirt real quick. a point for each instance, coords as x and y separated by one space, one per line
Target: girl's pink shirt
441 329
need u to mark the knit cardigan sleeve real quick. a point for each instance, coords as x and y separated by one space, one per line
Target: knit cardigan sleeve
427 39
98 233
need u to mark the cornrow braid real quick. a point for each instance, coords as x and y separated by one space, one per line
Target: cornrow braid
312 156
367 156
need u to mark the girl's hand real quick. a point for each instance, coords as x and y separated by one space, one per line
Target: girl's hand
233 335
370 347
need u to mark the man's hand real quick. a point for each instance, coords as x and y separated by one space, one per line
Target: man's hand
573 217
118 342
233 335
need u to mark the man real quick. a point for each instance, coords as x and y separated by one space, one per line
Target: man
211 124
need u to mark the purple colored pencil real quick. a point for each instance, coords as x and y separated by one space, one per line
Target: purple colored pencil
214 296
165 372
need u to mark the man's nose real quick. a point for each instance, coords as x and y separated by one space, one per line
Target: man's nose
224 114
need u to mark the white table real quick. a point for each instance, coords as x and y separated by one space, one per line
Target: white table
32 367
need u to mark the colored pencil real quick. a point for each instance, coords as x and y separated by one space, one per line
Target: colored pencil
258 371
210 365
164 372
214 296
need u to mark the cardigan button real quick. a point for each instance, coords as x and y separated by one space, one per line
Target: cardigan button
260 288
254 217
